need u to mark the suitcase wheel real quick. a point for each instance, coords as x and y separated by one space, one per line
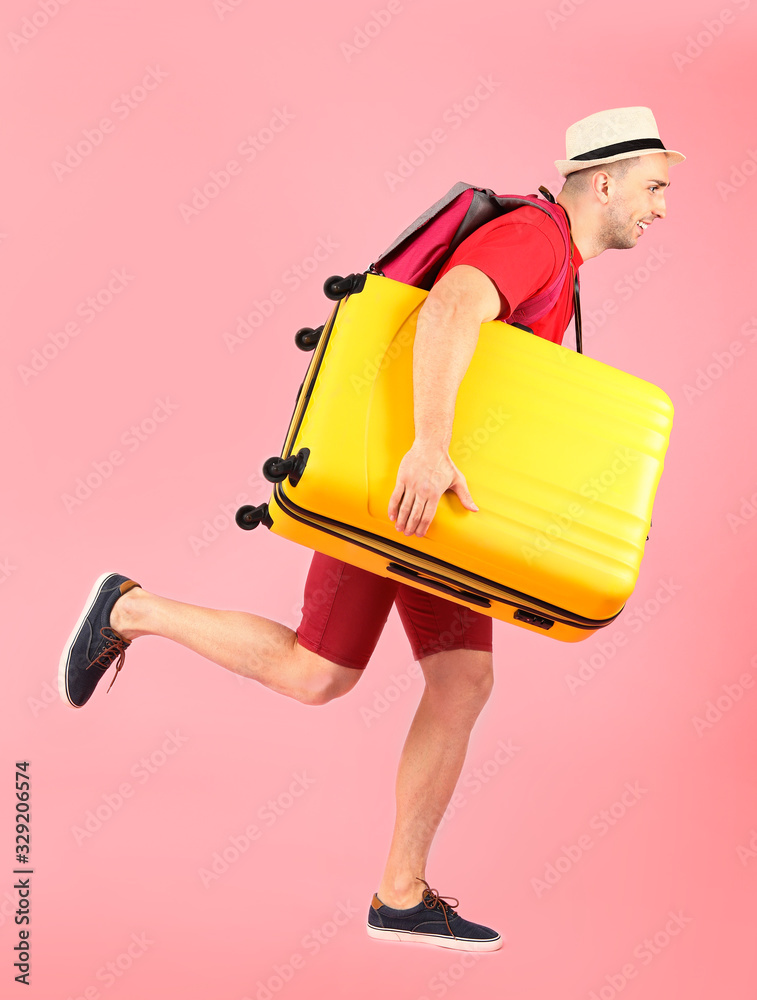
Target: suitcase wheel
277 469
249 517
274 469
336 287
307 338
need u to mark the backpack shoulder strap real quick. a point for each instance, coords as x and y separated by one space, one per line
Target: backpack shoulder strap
565 225
537 306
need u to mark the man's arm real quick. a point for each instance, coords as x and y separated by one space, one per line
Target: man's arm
447 332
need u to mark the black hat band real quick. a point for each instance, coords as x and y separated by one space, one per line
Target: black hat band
619 147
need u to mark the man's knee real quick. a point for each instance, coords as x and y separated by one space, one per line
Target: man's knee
461 676
479 681
324 681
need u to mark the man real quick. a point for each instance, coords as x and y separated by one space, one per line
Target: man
616 173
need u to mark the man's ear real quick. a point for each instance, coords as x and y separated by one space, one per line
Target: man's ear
600 185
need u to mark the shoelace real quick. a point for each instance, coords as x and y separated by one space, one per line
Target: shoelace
432 899
117 647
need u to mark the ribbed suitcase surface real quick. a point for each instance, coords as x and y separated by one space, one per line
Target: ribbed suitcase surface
562 454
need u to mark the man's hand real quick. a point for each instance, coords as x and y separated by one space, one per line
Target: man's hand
424 474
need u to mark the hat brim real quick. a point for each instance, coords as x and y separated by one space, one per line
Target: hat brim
565 167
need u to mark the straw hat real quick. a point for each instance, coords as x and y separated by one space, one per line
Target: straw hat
612 135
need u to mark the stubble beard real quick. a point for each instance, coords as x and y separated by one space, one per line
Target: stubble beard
616 234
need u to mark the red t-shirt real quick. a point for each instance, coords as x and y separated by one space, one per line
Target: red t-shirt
522 252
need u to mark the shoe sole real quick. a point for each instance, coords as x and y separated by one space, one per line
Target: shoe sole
66 654
458 944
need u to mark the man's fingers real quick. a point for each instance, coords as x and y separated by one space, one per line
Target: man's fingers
412 511
428 515
395 500
421 480
404 509
459 486
415 516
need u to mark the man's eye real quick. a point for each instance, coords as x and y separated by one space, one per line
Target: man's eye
654 188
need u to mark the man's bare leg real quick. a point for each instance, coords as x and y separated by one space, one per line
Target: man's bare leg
246 644
458 684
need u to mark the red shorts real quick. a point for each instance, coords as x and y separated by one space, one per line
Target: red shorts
345 610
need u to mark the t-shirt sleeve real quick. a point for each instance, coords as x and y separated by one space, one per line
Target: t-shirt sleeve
518 257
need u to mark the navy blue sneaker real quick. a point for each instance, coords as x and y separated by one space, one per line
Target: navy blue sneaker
432 921
93 645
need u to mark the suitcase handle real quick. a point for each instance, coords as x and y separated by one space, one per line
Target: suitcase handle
466 595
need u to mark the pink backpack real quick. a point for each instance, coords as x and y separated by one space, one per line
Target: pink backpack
418 254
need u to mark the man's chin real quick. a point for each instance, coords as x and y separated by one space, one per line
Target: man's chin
624 245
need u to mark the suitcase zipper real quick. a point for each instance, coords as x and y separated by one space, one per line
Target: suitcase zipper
523 602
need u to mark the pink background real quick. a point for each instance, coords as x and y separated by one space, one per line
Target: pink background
351 114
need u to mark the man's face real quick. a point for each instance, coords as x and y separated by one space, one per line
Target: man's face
636 200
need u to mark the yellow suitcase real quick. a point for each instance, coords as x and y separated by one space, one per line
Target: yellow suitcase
562 453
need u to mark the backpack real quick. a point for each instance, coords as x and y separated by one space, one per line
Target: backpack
418 254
